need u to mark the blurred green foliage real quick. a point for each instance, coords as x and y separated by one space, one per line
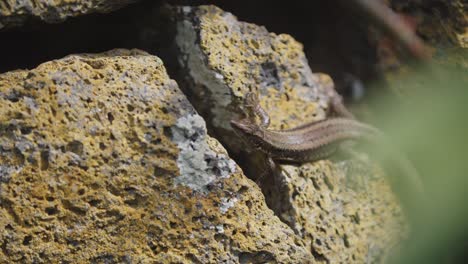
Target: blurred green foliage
431 126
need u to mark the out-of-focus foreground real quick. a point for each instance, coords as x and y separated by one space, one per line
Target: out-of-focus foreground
432 127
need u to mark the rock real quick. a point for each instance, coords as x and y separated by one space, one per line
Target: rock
103 160
16 12
442 25
221 59
230 58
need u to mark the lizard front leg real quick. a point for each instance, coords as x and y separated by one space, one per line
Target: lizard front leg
271 168
255 110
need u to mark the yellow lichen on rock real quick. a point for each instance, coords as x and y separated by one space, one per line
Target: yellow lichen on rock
342 214
222 59
94 168
15 12
236 57
252 59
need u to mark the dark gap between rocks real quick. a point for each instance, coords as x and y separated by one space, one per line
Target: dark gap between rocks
334 40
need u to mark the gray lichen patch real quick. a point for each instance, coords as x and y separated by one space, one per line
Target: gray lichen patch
7 171
89 158
201 73
198 164
226 204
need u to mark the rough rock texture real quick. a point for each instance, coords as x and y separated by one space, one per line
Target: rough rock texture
440 22
443 25
344 210
231 58
16 12
103 160
221 59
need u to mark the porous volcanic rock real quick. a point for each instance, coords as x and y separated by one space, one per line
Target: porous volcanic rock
103 160
345 215
16 12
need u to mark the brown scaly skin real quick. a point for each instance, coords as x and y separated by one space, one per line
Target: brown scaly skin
311 142
317 140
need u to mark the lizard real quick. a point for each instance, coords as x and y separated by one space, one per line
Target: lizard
316 140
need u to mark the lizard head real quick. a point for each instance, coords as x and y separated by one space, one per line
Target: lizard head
248 130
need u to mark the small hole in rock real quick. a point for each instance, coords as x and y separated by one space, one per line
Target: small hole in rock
102 146
27 240
51 210
346 241
94 202
25 130
243 189
219 237
318 242
167 131
110 117
44 160
76 147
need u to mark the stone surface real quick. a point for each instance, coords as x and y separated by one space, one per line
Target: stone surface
221 60
439 22
346 212
103 160
442 25
16 12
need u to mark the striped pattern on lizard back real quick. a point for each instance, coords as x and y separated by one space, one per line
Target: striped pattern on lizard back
314 141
